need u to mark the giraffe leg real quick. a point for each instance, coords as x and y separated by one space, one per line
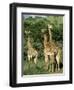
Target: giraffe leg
58 67
52 62
35 60
28 57
50 67
46 58
46 62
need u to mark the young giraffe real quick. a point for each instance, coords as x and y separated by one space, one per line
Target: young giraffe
32 52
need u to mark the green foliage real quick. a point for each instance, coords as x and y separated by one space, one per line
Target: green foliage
31 69
35 26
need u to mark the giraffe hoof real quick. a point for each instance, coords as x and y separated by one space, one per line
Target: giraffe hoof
58 69
49 70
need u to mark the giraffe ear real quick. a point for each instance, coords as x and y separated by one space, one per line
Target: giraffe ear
27 32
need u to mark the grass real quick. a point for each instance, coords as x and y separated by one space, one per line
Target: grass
29 68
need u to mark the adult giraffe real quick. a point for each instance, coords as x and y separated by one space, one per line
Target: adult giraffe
55 49
50 51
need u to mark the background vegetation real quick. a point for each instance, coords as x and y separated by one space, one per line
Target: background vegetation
34 24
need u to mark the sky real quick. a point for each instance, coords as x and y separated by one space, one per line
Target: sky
33 16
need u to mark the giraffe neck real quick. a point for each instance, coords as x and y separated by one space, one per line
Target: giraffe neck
50 35
29 43
45 40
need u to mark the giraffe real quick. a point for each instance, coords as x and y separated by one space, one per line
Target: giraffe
31 52
56 51
50 50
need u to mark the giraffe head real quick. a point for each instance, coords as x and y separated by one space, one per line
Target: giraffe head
28 34
43 30
49 26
